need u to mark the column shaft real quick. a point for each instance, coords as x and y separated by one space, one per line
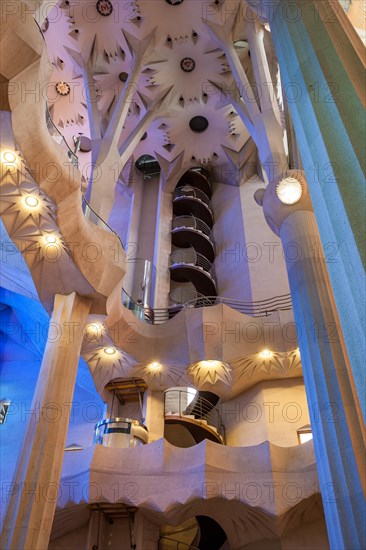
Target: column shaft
322 72
334 409
32 503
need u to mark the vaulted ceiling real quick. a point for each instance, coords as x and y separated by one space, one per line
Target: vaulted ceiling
184 58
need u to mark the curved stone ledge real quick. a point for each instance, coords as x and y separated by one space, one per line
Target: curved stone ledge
198 334
50 165
265 477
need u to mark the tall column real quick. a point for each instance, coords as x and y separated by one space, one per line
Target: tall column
335 414
154 414
145 532
32 502
322 69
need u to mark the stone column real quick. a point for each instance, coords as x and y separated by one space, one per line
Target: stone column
154 414
33 498
322 68
145 532
335 414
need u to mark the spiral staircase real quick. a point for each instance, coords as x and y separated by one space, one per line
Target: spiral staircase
191 262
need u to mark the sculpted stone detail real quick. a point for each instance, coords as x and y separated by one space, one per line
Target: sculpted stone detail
276 363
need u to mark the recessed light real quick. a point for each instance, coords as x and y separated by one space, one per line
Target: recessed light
10 157
155 366
210 364
94 328
109 351
32 202
50 239
289 190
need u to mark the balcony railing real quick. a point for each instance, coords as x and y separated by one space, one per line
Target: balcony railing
262 308
120 432
190 222
59 138
176 404
190 257
189 191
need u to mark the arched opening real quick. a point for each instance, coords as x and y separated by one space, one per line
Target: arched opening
198 533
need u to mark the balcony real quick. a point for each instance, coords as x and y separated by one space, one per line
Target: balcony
190 266
192 416
188 231
190 201
120 433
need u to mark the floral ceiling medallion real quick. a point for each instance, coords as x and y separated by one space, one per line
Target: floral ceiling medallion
187 64
104 7
62 88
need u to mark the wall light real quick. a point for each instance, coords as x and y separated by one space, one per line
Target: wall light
289 190
266 353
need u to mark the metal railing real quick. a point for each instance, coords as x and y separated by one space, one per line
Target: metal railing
189 191
190 257
190 222
143 312
179 544
120 432
204 412
158 316
59 138
182 295
260 308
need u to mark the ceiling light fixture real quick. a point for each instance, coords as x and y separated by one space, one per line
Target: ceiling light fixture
9 157
30 201
155 366
289 190
109 351
94 328
210 364
50 239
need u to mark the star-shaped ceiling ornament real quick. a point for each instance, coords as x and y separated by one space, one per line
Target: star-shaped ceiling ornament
108 363
281 363
159 376
210 371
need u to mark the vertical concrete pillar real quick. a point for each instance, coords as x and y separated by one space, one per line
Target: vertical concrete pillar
33 498
154 414
322 68
145 532
335 413
336 424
